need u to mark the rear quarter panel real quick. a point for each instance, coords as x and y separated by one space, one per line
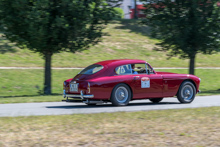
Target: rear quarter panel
102 87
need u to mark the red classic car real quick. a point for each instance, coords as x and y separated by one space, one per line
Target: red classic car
123 80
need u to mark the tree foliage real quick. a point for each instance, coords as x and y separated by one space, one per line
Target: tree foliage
119 13
186 27
53 26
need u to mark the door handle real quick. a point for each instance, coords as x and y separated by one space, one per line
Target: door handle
136 77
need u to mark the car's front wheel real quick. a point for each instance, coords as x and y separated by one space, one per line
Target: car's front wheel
121 95
156 100
187 92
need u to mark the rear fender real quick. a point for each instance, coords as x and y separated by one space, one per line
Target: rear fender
125 84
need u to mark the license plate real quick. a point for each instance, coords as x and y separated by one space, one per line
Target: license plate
74 87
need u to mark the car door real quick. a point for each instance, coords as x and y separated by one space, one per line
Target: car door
147 85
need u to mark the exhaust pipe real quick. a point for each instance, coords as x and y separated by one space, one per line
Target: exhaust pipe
93 101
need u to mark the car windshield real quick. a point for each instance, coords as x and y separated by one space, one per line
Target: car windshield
91 69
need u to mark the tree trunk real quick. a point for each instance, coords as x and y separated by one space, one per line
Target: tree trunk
47 73
192 64
135 9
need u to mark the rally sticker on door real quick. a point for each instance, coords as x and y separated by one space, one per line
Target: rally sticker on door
145 82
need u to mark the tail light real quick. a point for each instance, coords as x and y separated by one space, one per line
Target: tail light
64 83
88 87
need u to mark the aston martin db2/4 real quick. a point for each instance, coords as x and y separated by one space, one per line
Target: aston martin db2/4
124 80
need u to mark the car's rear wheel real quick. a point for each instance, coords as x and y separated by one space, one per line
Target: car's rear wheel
187 92
121 95
156 100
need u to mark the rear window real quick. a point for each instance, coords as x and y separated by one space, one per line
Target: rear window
91 69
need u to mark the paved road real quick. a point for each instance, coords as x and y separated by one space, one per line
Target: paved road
61 108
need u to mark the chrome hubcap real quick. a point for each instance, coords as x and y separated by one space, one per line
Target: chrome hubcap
121 94
187 92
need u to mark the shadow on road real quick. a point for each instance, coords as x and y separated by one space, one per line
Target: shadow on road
83 106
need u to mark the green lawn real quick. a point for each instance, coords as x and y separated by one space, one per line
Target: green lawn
27 85
166 128
123 39
29 82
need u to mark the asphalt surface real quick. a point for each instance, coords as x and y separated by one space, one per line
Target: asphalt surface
62 108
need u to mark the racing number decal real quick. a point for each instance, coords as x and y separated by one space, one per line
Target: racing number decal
145 82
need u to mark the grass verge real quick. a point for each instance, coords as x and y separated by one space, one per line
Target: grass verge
31 99
20 86
184 127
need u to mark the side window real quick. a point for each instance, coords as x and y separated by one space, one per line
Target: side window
123 70
139 68
149 69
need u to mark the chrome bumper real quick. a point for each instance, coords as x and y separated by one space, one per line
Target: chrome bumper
81 95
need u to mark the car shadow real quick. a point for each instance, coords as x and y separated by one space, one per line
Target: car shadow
83 106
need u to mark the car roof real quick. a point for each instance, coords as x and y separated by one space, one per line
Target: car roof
118 62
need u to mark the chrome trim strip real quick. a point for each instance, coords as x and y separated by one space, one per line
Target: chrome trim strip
64 93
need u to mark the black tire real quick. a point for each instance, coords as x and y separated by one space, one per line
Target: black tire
156 100
187 92
121 95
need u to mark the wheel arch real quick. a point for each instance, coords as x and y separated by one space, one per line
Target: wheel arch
125 84
189 80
